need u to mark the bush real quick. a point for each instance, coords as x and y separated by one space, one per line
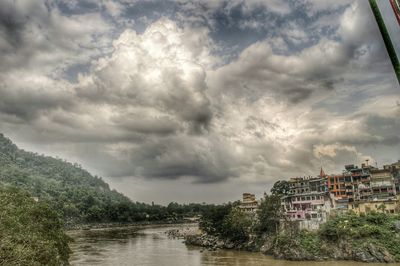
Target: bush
237 225
270 214
212 221
30 232
310 242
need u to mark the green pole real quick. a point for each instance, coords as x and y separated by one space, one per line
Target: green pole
386 38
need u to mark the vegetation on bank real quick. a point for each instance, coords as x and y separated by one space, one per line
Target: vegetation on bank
380 229
78 196
30 232
370 237
228 222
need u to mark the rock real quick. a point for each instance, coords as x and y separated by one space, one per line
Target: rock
267 247
372 253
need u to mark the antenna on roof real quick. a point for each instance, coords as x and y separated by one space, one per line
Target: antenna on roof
367 160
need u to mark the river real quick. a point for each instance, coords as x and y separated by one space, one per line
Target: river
150 246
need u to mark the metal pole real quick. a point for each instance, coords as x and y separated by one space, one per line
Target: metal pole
396 9
386 38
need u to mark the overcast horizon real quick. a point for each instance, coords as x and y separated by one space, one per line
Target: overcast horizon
199 101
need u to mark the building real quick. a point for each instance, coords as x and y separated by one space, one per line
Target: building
309 202
382 185
364 189
378 205
249 204
394 168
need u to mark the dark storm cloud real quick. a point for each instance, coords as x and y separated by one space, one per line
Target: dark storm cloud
386 128
11 23
34 33
180 156
297 95
146 125
29 105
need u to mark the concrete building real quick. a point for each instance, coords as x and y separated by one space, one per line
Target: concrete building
364 183
378 205
394 168
382 184
364 189
249 203
309 202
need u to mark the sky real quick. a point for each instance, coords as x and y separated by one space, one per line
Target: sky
199 101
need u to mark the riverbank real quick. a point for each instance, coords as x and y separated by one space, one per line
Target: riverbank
297 250
371 237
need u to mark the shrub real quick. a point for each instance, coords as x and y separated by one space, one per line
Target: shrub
31 233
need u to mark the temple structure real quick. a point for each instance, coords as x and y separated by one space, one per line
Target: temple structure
249 203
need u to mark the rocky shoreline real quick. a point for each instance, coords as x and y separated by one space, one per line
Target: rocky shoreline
344 250
369 252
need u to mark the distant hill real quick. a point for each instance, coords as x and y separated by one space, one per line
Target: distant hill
76 194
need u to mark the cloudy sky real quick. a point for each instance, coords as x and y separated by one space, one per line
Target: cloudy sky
199 100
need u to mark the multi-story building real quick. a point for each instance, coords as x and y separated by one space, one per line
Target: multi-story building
382 184
394 168
364 189
249 204
309 201
360 189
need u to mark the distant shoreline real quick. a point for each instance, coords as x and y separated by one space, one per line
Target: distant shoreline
95 226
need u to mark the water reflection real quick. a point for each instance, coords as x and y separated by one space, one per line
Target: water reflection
152 247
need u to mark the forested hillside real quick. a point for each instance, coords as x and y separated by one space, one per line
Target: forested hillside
78 196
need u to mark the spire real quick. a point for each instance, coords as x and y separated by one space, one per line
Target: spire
322 173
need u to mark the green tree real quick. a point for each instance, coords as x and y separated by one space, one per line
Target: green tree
236 225
31 233
269 214
280 188
212 221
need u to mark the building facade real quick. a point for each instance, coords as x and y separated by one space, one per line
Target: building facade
249 203
308 202
364 189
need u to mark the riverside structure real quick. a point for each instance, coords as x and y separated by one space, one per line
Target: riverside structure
310 201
